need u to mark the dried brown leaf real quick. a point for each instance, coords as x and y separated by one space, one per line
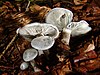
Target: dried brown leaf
34 8
77 7
79 2
5 74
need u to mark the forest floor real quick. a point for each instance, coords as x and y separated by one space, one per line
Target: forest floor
15 14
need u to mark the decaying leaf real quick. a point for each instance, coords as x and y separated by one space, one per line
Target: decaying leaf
64 69
77 7
34 8
79 2
22 18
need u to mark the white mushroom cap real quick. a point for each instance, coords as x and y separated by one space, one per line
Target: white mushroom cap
72 25
30 30
50 30
24 66
42 42
59 17
79 28
29 54
34 29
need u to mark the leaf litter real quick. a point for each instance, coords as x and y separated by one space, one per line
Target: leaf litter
13 16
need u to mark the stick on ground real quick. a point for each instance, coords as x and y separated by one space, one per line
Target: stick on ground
10 43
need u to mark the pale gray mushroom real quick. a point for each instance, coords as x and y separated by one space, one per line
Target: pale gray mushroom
79 28
59 17
29 55
43 43
38 29
24 65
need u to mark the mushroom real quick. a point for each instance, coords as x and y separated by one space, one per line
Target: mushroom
29 55
33 30
43 43
30 31
79 28
24 65
66 33
59 17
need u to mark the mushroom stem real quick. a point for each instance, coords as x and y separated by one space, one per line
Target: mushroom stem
46 52
27 8
40 52
66 36
36 69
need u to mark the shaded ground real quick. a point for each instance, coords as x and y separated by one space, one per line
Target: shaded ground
13 14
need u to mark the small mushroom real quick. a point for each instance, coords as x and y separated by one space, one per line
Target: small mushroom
59 17
24 66
29 55
33 30
79 28
66 36
43 43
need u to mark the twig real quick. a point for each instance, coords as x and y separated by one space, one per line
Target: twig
27 6
3 13
13 39
19 7
6 67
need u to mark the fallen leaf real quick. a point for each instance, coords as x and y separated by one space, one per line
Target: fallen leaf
5 74
91 18
1 29
34 8
77 7
97 2
79 2
57 4
96 10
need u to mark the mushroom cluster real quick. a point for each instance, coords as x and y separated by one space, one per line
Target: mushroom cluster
62 18
42 35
